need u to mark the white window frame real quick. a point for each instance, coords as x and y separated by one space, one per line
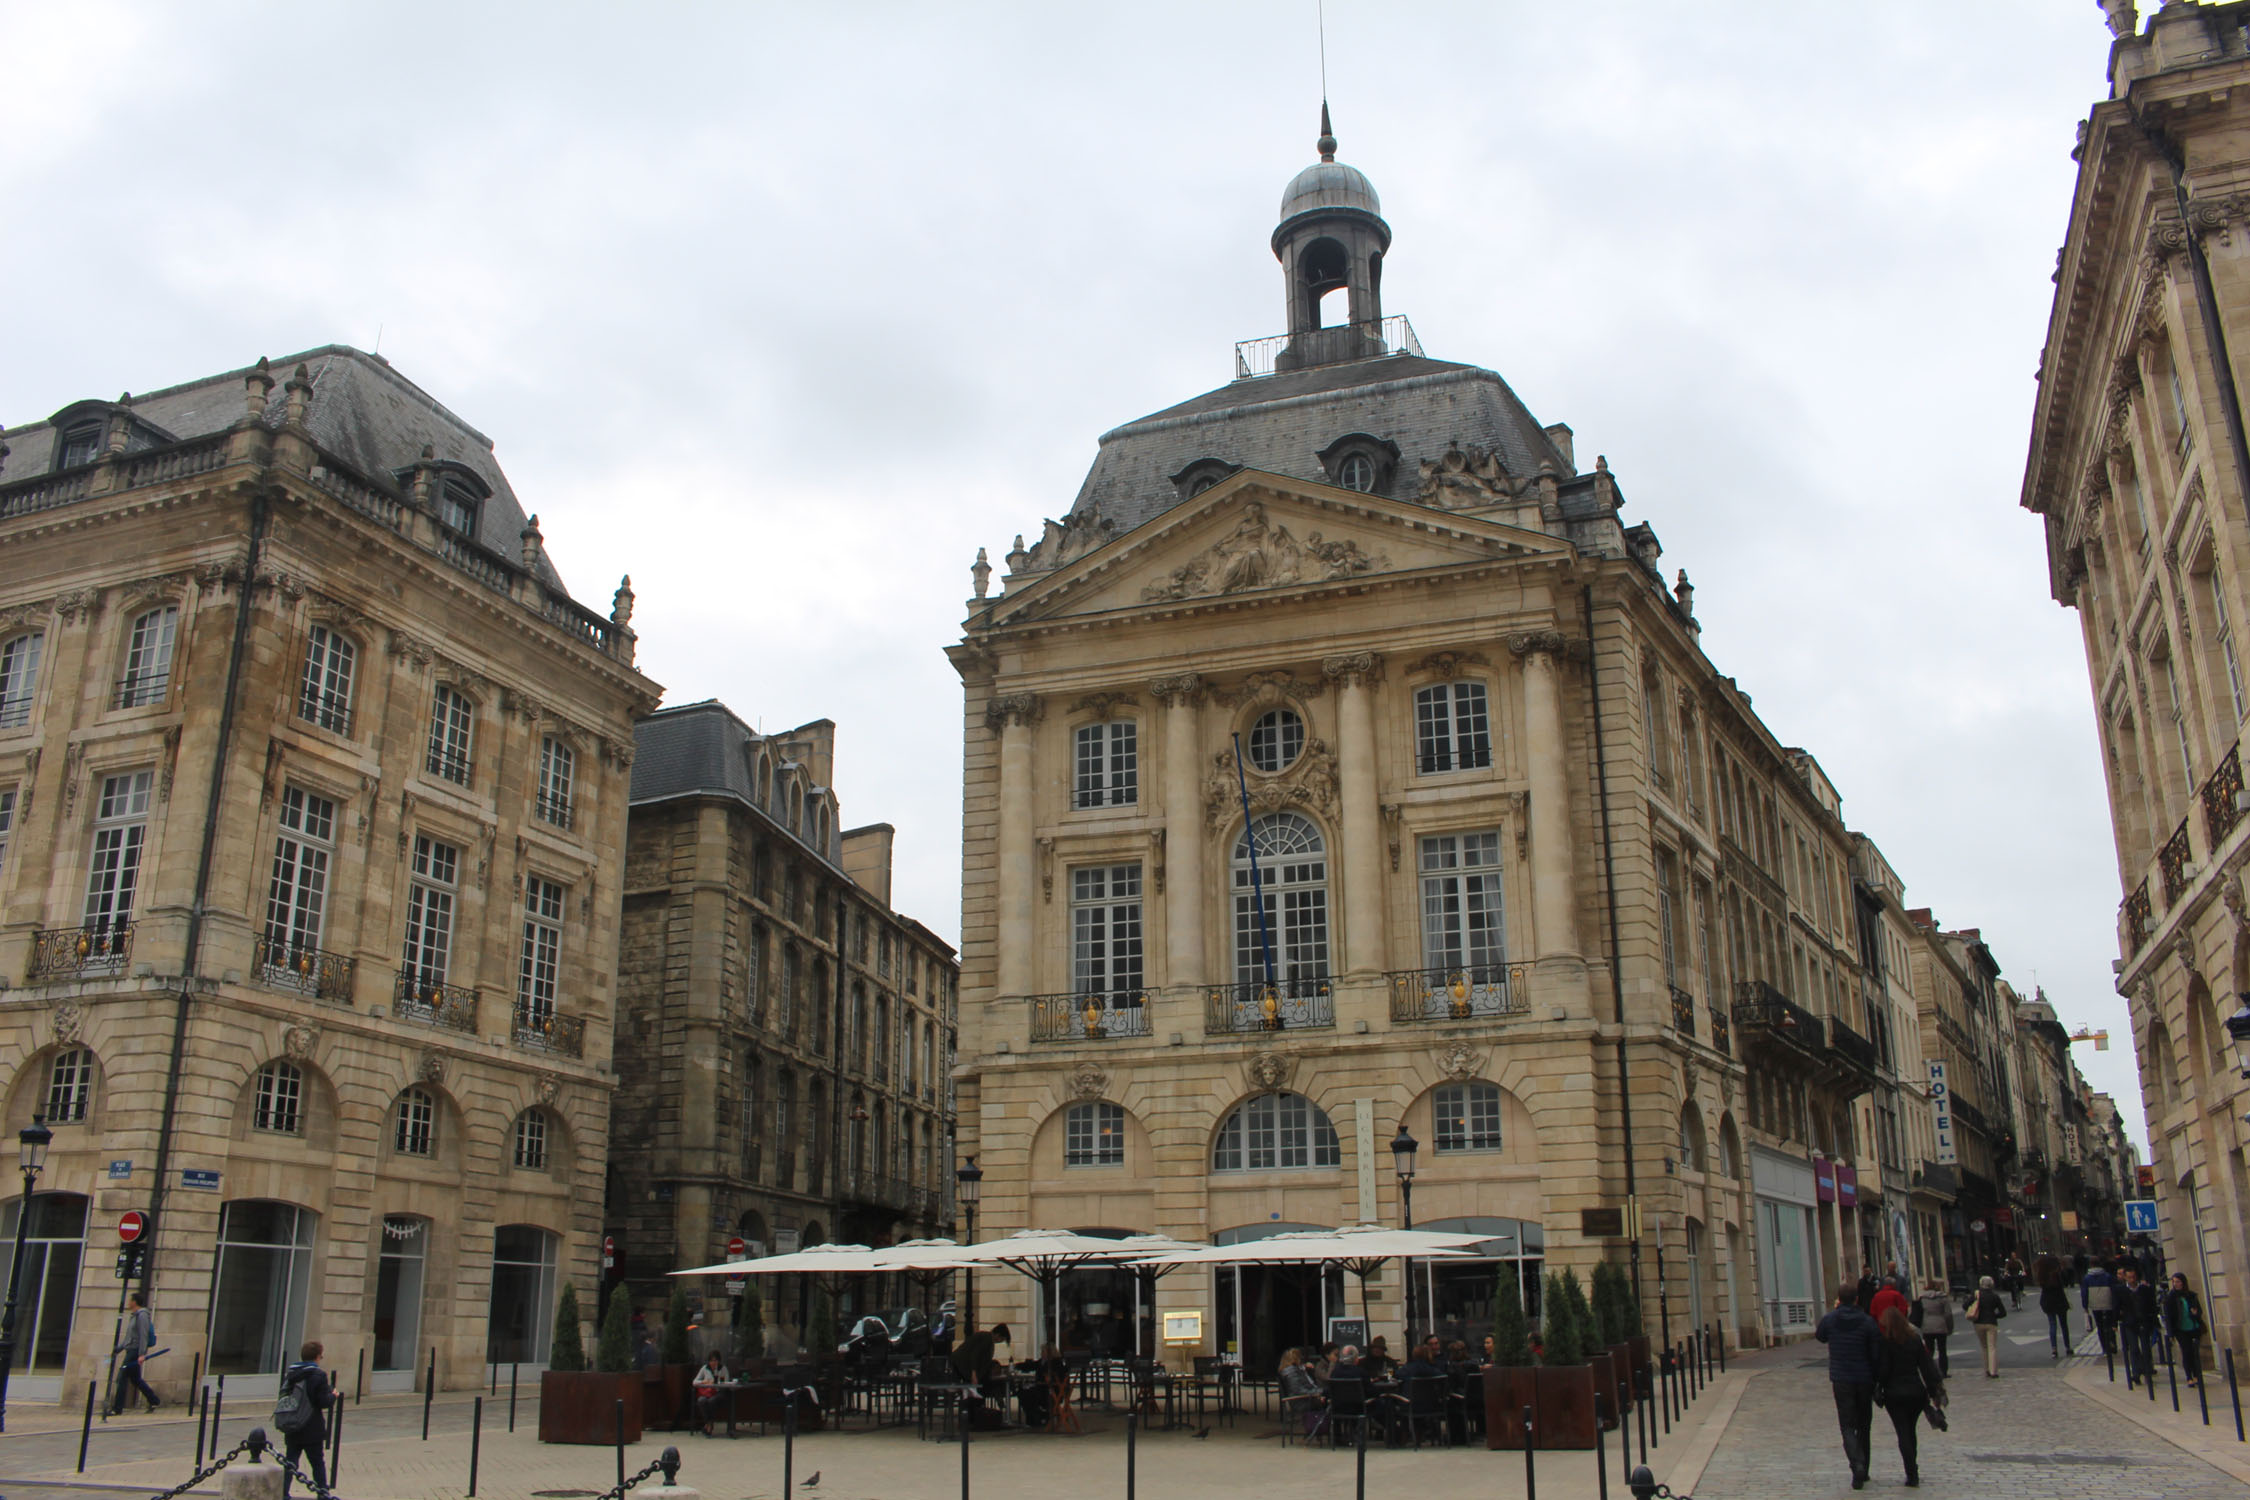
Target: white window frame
1452 727
7 822
452 749
1094 1134
530 1141
150 641
324 693
1464 905
1293 880
113 866
414 1123
436 873
19 677
279 1108
297 896
2227 655
558 772
70 1086
1106 952
1466 1117
1276 740
1106 761
539 971
1276 1133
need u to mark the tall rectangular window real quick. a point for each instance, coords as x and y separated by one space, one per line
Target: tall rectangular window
1667 874
2225 632
754 985
298 892
1094 1135
113 874
558 765
2170 669
7 822
429 910
2184 441
1108 765
542 950
1463 923
324 697
451 721
19 678
148 658
1706 941
1105 930
1452 728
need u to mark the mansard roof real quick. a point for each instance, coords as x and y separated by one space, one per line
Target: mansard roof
362 412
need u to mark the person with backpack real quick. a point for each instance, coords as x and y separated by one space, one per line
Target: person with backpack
134 1338
1985 1314
302 1415
2097 1297
1933 1316
1909 1385
2183 1315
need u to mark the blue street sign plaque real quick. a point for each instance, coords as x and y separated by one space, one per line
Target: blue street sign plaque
120 1169
199 1177
2140 1216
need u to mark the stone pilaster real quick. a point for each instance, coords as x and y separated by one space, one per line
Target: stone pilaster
1182 697
1554 924
1012 717
1355 676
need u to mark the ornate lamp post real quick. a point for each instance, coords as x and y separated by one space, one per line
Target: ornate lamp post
970 1177
2238 1027
1403 1147
34 1139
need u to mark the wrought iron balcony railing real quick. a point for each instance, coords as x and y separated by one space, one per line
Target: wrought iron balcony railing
542 1029
1722 1030
141 689
1850 1045
1252 1006
1464 992
1968 1114
1089 1018
283 965
420 997
2172 863
1683 1012
1325 346
555 810
2137 917
98 948
2220 811
1759 1007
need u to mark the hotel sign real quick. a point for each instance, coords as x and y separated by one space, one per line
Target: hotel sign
1941 1101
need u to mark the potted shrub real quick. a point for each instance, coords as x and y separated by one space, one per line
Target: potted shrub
1510 1381
580 1406
749 1326
1636 1336
1611 1292
675 1366
1566 1380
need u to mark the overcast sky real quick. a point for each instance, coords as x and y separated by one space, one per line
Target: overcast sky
788 309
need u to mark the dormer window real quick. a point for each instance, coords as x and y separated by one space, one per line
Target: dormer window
1201 475
81 444
1359 461
457 506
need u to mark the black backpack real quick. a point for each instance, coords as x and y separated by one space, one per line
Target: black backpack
294 1411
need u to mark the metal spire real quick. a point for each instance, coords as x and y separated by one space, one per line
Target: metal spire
1327 143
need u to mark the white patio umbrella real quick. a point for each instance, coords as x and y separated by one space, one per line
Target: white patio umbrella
816 1260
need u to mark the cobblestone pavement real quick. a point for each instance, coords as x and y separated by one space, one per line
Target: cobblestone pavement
2027 1433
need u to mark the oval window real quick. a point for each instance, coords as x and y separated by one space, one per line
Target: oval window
1276 740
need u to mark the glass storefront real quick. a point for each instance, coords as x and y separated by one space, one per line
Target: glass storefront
1454 1296
259 1290
398 1291
522 1313
54 1246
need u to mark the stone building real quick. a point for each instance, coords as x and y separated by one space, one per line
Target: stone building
2136 471
1342 762
1898 1118
312 816
776 1005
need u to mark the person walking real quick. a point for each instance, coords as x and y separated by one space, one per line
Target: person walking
1889 1294
2047 1271
2183 1316
2147 1329
1851 1337
1985 1314
2097 1298
309 1439
1933 1316
1908 1383
135 1335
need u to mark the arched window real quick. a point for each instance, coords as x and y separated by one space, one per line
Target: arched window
1730 1148
148 658
19 678
1275 1132
531 1141
1094 1134
1467 1117
765 781
70 1086
324 696
279 1105
1691 1138
1293 884
414 1123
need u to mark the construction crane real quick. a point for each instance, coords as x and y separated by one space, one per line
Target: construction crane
2100 1039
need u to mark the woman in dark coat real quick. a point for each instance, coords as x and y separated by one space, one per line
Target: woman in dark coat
2183 1319
2054 1301
1907 1383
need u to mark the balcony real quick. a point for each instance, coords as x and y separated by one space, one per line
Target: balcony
1325 346
2137 917
1088 1018
68 952
282 965
2172 863
1854 1049
1722 1031
1931 1177
539 1028
555 810
878 1191
418 997
2220 811
1304 1004
1968 1114
1465 993
1683 1012
1763 1011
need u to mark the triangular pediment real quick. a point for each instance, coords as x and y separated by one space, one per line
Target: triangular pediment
1267 534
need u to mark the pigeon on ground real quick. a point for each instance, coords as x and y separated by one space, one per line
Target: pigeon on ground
811 1481
1206 1432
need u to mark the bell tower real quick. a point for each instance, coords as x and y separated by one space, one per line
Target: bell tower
1331 236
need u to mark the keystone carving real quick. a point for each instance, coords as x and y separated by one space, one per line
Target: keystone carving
298 1042
1447 665
68 1017
1088 1082
1101 705
549 1089
1459 1062
1269 1072
431 1069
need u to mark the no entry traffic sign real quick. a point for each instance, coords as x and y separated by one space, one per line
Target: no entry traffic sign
737 1248
130 1225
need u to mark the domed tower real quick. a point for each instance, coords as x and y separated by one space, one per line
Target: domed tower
1331 235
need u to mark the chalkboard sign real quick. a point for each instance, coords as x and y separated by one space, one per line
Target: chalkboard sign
1351 1331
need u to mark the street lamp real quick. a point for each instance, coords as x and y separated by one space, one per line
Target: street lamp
970 1176
2238 1027
33 1140
1403 1147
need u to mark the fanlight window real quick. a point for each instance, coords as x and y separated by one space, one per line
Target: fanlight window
1275 1132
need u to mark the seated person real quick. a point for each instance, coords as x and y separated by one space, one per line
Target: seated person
1377 1359
708 1378
1037 1400
975 1364
1323 1364
1300 1391
1422 1363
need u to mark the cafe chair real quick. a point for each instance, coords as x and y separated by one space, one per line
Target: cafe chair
1347 1410
1426 1399
1062 1406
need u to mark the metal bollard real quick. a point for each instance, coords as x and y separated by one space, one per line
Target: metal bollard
429 1394
964 1448
511 1395
1625 1433
1601 1451
336 1449
621 1442
1530 1471
218 1406
1132 1457
1642 1411
2109 1359
202 1415
195 1379
2202 1384
476 1441
2172 1374
86 1428
1642 1483
2233 1394
788 1440
359 1381
1363 1411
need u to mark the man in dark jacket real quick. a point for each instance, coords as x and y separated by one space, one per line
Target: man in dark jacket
1851 1337
2140 1320
309 1442
2097 1297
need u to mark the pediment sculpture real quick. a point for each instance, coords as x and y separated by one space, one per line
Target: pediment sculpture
1261 554
1463 478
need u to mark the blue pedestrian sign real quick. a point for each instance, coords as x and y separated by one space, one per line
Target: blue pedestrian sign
2140 1216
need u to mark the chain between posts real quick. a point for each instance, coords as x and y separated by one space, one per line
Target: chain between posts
323 1491
1643 1486
253 1445
668 1461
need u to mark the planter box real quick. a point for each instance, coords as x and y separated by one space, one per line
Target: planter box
1605 1382
1641 1357
1508 1389
581 1406
1566 1408
1622 1383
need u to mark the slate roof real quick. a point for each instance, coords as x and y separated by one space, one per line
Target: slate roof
362 411
1280 423
693 749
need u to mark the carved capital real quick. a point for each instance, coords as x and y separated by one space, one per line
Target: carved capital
1545 644
1182 691
1019 709
78 606
414 653
1353 668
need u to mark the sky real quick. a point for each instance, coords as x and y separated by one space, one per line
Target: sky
786 310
